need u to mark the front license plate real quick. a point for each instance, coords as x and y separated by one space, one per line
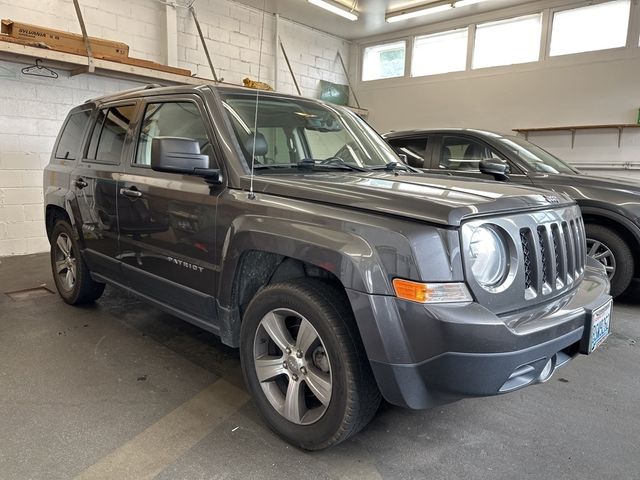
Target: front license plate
600 324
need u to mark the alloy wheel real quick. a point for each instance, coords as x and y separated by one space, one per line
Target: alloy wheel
292 366
66 265
600 252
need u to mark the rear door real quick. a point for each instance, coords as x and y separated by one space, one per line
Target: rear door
167 230
95 183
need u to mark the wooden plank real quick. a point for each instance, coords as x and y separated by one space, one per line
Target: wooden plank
63 41
137 62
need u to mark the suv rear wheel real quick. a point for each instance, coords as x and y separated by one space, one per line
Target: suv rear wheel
70 272
304 363
610 249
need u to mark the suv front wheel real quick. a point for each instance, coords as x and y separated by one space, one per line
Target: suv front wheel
70 272
304 363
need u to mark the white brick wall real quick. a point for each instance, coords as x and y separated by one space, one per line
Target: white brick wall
32 109
233 30
31 112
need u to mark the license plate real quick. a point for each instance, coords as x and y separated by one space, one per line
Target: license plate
600 324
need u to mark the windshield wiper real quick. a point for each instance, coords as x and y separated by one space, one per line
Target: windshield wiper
311 164
393 166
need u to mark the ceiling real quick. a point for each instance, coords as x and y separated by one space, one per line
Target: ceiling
372 14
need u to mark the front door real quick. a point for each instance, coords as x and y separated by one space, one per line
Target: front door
95 183
167 231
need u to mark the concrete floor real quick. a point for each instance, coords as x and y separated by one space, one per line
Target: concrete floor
121 390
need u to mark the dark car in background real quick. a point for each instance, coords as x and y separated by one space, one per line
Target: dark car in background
610 206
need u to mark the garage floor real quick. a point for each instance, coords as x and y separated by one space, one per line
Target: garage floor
122 390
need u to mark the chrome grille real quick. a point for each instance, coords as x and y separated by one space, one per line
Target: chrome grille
548 254
558 255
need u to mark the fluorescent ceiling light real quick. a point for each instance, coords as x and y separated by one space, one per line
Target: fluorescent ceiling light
333 8
428 9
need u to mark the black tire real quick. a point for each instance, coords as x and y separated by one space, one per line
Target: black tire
354 398
83 289
622 256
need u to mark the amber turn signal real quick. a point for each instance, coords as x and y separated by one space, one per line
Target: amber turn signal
431 292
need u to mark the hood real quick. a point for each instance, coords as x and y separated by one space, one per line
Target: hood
430 198
585 188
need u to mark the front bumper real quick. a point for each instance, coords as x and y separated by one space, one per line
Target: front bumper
425 355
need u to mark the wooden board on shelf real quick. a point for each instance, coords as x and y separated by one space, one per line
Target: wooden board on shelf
136 62
64 41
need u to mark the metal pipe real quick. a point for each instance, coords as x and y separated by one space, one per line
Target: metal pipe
85 37
204 43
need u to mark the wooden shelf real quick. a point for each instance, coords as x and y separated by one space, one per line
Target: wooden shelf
574 128
79 63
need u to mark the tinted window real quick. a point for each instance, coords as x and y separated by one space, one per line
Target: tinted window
460 153
414 149
175 119
71 135
109 134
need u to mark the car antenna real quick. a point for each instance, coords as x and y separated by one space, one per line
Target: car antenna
252 195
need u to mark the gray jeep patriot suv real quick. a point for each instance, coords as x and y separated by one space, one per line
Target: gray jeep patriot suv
290 229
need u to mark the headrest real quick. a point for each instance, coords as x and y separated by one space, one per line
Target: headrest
261 145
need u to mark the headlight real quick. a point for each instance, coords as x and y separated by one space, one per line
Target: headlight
489 259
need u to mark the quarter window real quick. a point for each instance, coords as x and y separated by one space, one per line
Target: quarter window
463 154
507 42
440 53
384 61
71 136
171 119
594 27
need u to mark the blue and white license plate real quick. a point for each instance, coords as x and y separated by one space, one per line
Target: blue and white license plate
600 325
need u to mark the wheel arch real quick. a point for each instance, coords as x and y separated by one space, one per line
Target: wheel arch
256 257
623 226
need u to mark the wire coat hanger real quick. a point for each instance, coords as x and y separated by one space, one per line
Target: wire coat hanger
38 70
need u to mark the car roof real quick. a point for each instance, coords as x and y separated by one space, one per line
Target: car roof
440 131
156 89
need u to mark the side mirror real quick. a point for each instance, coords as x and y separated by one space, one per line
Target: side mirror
493 166
182 155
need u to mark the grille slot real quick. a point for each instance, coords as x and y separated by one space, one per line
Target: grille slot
543 248
526 240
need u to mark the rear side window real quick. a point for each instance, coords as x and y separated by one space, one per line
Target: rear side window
71 136
109 133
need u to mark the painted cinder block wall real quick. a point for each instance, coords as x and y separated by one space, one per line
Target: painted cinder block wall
32 109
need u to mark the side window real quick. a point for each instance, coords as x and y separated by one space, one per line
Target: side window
414 149
464 154
109 133
171 119
71 135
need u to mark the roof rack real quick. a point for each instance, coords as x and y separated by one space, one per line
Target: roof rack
124 92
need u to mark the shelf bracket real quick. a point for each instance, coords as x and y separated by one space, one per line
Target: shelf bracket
90 66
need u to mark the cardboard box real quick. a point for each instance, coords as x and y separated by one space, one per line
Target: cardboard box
65 41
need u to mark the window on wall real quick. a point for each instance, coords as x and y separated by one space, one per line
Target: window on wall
440 53
507 42
594 27
384 61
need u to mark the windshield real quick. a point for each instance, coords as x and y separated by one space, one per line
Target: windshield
536 158
295 132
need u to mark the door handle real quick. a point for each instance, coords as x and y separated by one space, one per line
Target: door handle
131 193
80 183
